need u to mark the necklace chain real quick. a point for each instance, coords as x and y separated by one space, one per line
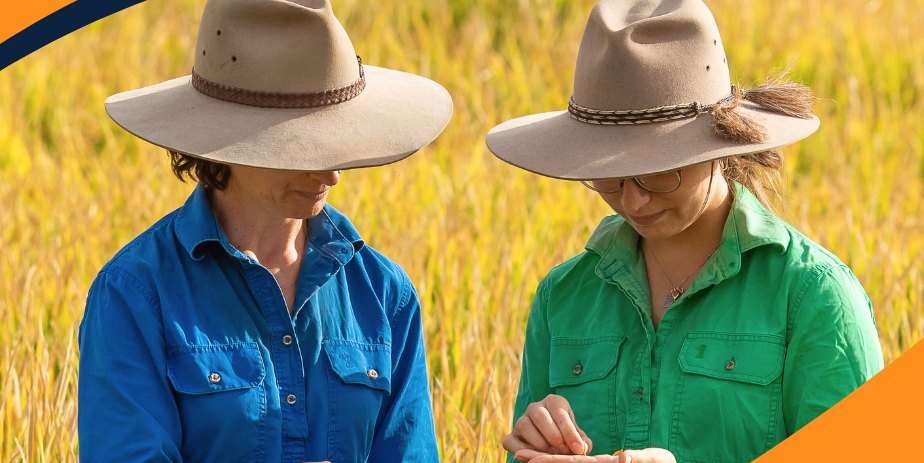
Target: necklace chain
676 290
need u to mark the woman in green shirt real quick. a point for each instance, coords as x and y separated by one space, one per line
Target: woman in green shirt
697 326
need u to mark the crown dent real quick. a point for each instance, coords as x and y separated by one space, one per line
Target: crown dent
274 46
650 55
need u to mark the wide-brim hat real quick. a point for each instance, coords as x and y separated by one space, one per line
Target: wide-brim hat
652 94
277 84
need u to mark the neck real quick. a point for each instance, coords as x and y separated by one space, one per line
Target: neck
691 246
255 230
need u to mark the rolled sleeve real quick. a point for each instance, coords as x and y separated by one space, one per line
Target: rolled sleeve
127 412
833 349
405 431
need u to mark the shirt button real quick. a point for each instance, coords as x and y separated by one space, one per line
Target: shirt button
730 365
577 369
641 393
291 399
214 378
287 340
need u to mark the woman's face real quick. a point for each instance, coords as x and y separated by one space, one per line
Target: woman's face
290 194
664 215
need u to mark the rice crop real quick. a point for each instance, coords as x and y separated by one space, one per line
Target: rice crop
475 235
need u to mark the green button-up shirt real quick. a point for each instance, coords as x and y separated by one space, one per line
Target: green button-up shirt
772 332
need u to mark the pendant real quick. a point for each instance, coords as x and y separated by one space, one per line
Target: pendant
671 297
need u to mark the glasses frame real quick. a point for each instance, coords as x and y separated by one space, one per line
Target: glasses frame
638 181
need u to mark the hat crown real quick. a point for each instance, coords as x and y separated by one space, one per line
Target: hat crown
274 46
649 54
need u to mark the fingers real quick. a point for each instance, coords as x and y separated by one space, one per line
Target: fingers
573 437
548 426
529 434
533 456
557 430
650 455
589 445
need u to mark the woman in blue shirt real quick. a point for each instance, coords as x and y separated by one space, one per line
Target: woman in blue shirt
253 323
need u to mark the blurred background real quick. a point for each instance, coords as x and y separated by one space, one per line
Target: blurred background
476 235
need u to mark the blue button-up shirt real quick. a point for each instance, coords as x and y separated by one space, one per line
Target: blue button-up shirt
188 352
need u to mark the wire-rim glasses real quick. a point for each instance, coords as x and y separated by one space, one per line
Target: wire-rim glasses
666 182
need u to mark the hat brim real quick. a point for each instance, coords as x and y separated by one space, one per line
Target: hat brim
556 145
396 115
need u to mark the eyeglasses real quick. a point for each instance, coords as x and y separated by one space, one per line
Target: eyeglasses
657 183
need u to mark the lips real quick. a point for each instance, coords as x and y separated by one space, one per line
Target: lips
644 219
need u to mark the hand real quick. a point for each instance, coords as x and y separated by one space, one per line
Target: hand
548 428
651 455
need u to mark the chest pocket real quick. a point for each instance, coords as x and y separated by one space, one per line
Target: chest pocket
582 371
728 402
221 400
360 380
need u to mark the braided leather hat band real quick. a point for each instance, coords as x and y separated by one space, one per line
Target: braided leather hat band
278 99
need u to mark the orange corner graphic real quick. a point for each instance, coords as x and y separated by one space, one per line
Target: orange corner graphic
19 15
880 421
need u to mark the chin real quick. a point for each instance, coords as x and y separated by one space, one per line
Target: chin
306 212
654 231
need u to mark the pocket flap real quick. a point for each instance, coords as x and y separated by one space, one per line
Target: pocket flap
578 360
748 358
222 367
357 363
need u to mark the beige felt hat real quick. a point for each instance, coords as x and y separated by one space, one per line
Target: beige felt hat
277 84
652 94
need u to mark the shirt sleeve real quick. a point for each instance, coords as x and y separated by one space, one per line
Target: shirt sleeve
126 409
833 349
534 374
405 430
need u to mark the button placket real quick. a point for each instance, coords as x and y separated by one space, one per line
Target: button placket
288 366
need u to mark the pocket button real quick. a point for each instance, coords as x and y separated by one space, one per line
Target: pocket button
214 378
730 365
372 374
577 369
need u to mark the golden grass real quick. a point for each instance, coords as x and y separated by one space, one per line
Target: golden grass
475 234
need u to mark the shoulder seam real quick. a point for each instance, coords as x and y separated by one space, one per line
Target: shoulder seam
133 282
811 280
144 236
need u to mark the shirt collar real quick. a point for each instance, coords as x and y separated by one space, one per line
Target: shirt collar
749 225
330 231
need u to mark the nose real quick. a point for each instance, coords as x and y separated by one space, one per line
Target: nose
328 178
634 197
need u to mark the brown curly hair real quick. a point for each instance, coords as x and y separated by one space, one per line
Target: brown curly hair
212 174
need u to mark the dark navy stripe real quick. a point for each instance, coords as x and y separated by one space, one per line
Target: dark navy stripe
56 25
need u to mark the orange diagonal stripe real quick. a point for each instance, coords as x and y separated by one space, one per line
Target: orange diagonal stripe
18 15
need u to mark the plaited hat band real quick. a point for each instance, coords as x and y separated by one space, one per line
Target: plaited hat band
280 99
789 98
641 116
